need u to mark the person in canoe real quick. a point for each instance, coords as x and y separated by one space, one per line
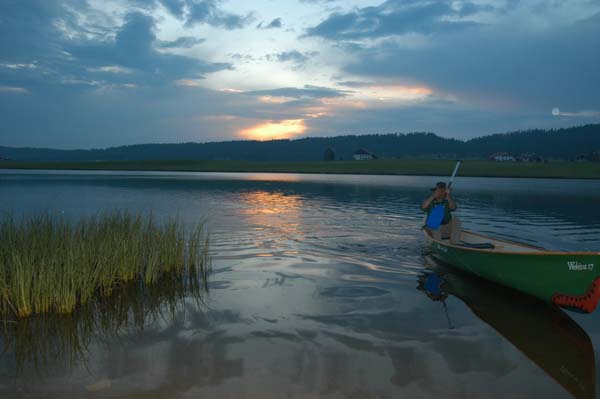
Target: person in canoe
440 205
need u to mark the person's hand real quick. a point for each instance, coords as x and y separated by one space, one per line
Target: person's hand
448 192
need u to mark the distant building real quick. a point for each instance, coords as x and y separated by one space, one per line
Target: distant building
363 155
530 157
593 156
502 157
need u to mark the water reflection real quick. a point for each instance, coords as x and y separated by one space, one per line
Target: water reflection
45 344
270 202
312 293
544 333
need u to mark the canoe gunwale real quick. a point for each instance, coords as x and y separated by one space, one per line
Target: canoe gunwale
539 250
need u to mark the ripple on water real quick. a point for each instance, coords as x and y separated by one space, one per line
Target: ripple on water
313 288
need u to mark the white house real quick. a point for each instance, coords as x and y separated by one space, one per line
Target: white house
363 155
502 157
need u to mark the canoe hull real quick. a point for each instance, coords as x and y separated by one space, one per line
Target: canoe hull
570 280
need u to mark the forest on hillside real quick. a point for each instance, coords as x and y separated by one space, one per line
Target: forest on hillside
581 142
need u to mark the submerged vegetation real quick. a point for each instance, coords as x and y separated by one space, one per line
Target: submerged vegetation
49 265
37 345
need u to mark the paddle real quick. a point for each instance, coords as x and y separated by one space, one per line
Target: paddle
436 216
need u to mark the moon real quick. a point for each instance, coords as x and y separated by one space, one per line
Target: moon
555 111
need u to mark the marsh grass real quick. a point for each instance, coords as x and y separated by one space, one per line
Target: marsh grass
49 265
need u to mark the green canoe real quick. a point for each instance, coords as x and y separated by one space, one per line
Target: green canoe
567 279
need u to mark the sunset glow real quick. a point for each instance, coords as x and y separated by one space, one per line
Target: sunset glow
398 93
275 99
189 82
273 130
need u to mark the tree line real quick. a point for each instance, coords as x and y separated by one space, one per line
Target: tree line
566 143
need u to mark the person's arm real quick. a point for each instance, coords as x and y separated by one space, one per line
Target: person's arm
451 202
425 204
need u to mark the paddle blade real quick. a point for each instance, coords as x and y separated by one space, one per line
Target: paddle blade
436 216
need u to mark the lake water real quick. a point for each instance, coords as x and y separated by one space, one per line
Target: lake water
317 291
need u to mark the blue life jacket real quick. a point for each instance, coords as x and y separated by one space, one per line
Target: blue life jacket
436 216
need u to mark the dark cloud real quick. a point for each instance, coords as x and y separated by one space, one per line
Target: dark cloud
175 7
134 48
208 12
117 115
61 54
32 33
195 12
395 17
28 30
73 89
497 67
355 84
447 119
307 91
182 42
292 56
274 24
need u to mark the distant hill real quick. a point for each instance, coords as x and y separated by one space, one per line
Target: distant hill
551 144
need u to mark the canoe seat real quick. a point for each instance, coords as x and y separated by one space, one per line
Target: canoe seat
480 245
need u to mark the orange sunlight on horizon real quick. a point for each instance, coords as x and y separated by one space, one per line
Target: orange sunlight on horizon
398 92
273 130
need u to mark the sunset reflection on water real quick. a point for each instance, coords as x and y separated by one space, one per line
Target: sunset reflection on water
269 203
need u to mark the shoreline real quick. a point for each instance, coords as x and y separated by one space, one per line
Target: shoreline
405 167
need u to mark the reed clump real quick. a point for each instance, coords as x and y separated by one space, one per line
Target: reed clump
50 265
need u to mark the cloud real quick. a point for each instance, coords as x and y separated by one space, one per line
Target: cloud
207 11
189 82
24 26
307 91
274 24
175 7
446 119
14 90
111 69
394 17
67 81
61 47
133 48
292 56
181 42
496 66
355 83
75 75
588 113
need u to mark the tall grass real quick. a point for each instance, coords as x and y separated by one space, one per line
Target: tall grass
48 265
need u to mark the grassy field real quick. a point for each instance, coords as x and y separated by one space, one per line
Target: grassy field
570 170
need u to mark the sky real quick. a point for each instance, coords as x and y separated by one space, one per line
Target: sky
100 73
